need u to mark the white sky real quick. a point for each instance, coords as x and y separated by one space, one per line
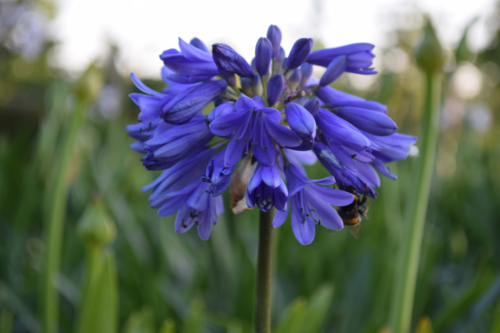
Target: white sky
144 28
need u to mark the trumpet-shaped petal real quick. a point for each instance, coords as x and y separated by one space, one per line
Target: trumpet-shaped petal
267 189
369 121
359 57
187 104
301 122
190 65
311 205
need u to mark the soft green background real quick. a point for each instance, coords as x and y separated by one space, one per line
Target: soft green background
160 281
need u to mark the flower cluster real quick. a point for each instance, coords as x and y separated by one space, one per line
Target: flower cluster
222 122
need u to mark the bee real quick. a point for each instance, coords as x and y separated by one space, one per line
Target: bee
350 214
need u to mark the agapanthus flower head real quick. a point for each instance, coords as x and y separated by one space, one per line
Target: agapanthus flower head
266 121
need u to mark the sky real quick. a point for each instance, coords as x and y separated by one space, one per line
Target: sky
143 29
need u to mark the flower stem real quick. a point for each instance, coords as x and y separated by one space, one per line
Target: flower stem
264 274
57 193
413 228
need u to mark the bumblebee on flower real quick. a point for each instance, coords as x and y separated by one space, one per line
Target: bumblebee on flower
275 116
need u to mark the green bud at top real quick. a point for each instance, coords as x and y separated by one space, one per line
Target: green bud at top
429 53
96 228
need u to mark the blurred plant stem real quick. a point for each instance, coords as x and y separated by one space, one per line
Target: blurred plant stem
264 273
57 192
85 92
411 242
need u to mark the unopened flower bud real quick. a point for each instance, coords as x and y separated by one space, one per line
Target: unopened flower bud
294 80
263 53
274 35
275 88
334 70
95 227
306 70
301 122
279 62
302 100
299 52
313 106
230 61
429 52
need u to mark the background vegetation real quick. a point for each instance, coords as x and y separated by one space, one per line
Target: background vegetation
66 169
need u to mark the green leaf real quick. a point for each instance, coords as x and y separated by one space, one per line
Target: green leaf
317 309
457 308
140 322
168 326
301 316
292 317
193 321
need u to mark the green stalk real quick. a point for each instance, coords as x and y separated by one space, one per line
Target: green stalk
85 91
264 89
413 228
56 205
264 274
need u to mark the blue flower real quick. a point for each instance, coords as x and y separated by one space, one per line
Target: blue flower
359 57
267 189
191 101
191 64
254 126
177 142
344 139
302 122
345 177
297 120
178 176
335 99
392 148
194 206
311 204
217 174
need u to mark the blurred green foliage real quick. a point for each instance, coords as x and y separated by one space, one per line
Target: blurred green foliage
165 282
